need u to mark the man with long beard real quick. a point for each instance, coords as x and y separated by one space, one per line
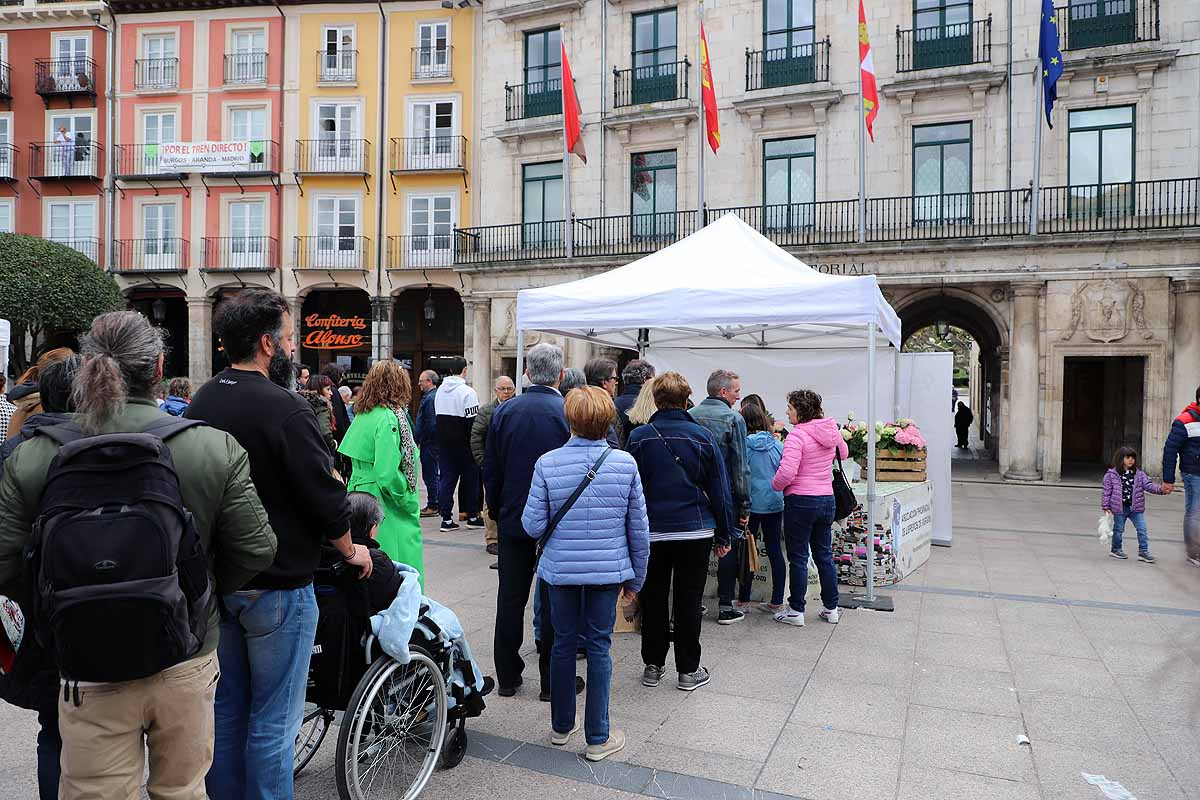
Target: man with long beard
267 630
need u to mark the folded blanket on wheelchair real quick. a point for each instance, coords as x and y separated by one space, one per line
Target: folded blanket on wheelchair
394 629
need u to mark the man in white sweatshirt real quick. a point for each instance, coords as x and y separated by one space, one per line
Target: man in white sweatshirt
456 405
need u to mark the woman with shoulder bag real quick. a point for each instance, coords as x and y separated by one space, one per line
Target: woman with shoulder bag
586 506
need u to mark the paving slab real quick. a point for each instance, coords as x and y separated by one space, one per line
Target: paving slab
960 689
957 650
1146 775
924 783
856 708
945 739
711 722
1103 724
823 764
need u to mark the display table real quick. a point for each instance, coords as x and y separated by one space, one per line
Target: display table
903 534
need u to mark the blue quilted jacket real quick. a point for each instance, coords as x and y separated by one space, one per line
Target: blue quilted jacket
604 538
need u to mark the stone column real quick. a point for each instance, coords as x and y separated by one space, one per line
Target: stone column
1023 387
296 304
199 339
481 345
1185 372
381 328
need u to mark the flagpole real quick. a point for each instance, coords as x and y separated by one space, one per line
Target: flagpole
700 119
862 158
568 232
1038 111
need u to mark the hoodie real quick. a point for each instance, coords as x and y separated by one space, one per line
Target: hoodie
175 406
455 406
1183 445
764 452
808 453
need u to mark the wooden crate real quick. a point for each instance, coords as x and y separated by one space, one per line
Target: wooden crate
897 465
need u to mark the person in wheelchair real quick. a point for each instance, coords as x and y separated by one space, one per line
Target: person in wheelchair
378 591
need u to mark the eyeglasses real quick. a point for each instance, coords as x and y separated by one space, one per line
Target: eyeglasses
611 378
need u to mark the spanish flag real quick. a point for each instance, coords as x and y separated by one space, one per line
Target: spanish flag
708 95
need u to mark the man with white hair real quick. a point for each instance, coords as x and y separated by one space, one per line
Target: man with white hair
522 430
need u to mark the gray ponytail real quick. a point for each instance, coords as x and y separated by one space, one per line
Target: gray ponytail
120 360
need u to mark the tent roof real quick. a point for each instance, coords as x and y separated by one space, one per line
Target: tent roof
726 285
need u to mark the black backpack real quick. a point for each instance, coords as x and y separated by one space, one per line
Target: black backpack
118 574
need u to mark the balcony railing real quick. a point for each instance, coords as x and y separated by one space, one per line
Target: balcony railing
88 247
141 161
151 255
528 100
8 162
61 77
156 74
431 63
333 156
241 253
1107 22
1063 210
944 45
5 85
55 161
429 154
245 69
420 252
787 66
653 84
340 66
332 252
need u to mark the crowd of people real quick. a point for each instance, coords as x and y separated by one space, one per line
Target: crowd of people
595 488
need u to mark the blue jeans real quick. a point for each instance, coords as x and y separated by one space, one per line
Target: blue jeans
808 524
586 612
457 466
768 528
1191 515
266 641
49 752
1139 524
429 473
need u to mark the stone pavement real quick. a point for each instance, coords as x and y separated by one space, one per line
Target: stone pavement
1023 628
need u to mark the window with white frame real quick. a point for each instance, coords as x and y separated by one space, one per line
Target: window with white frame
247 60
73 223
338 147
337 226
8 153
70 151
7 215
159 247
432 143
430 230
338 55
250 125
158 68
158 127
432 57
247 245
72 70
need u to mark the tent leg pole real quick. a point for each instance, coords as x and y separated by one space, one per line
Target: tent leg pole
896 389
520 360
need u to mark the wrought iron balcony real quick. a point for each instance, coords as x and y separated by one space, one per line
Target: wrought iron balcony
333 157
92 248
245 69
951 45
241 253
151 255
65 161
136 161
5 85
8 163
420 252
653 84
432 63
528 100
340 66
64 77
429 154
156 74
1107 22
787 66
332 252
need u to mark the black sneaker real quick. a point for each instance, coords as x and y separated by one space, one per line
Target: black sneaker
728 616
509 691
691 681
1144 556
449 525
476 522
1118 554
580 685
652 675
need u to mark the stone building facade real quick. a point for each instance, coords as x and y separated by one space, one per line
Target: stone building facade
1088 331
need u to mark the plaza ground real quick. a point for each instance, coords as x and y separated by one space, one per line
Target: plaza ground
1025 627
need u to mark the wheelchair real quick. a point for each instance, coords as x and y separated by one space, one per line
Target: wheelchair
399 722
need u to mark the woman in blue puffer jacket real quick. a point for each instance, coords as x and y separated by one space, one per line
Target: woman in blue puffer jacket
599 548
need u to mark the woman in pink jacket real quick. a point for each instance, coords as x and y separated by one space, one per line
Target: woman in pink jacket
805 477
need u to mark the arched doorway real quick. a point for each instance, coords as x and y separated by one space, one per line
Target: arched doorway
961 325
335 326
427 330
166 308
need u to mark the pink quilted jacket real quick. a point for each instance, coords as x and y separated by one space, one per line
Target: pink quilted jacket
808 454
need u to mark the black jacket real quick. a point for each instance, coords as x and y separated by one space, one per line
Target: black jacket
340 417
28 429
624 402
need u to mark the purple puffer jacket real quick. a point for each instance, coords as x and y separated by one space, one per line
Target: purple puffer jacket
1111 500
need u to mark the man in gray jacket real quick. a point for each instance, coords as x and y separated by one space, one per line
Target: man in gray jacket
504 389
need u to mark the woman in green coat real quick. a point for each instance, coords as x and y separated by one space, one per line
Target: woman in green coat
380 445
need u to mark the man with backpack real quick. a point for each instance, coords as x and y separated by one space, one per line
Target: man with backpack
1183 447
136 521
267 630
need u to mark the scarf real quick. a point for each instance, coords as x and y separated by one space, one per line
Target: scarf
408 449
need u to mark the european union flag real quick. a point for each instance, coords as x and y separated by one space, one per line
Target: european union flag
1051 57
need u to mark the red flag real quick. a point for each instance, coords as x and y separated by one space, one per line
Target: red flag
570 100
708 95
870 92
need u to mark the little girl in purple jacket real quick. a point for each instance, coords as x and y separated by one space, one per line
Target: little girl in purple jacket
1125 487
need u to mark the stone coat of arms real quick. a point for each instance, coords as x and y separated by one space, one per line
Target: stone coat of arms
1107 311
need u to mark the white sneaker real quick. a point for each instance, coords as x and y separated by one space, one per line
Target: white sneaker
1194 561
791 617
561 739
830 615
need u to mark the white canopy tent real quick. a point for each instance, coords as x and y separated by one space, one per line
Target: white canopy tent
725 286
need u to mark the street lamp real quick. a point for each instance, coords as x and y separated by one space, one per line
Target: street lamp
942 329
430 308
158 310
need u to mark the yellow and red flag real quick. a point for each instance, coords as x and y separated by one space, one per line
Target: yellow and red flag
708 95
572 128
870 91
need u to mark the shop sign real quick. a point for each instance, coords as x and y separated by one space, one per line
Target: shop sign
334 332
844 268
204 156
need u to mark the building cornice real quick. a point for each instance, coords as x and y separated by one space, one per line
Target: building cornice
976 81
516 12
787 99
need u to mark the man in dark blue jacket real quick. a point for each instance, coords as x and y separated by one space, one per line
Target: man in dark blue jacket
522 430
425 435
1183 445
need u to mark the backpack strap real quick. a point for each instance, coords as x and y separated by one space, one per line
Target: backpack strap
168 426
565 507
62 434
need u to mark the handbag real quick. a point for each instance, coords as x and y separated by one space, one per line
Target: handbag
844 500
565 507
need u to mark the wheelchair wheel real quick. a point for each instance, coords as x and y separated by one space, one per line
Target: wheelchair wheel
454 749
312 733
392 732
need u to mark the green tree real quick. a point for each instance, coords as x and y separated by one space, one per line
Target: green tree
47 287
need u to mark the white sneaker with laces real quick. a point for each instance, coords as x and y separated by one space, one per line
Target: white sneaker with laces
791 617
561 739
830 615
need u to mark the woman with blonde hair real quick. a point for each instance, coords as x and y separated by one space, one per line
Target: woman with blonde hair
643 408
384 456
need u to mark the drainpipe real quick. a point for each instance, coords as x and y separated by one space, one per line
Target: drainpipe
110 183
279 148
381 315
1008 93
603 103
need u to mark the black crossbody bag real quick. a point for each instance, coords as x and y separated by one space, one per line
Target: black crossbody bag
565 507
844 501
